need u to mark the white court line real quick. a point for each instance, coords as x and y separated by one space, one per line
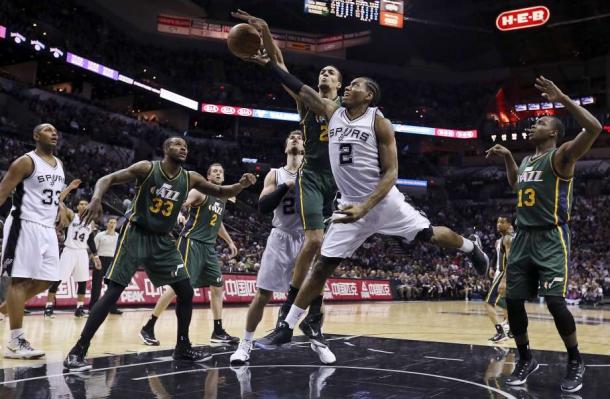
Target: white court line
499 391
349 344
597 365
380 351
444 358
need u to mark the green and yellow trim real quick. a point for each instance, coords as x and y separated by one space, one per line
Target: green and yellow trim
119 248
301 202
565 260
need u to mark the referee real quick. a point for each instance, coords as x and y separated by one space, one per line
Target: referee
105 242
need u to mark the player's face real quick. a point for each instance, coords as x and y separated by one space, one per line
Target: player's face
502 226
82 205
542 130
177 150
111 225
294 144
47 136
329 78
356 93
216 175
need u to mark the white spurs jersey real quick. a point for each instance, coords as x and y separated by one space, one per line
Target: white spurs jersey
354 156
285 215
36 198
77 235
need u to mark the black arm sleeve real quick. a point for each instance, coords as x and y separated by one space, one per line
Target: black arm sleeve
267 203
288 80
91 244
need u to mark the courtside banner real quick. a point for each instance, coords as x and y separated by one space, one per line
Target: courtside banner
239 288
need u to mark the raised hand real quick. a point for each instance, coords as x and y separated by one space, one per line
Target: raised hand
258 23
92 213
497 150
74 184
247 180
260 58
549 90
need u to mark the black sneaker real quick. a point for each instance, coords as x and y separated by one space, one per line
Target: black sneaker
500 335
223 338
479 259
148 337
311 326
572 382
116 311
282 313
523 369
80 312
281 335
75 361
186 352
48 312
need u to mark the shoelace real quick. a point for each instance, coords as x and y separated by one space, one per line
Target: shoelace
573 372
520 370
24 344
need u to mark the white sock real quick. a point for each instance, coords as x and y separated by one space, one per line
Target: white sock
16 333
80 304
467 246
294 315
49 304
248 335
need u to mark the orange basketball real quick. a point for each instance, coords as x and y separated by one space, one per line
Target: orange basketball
244 40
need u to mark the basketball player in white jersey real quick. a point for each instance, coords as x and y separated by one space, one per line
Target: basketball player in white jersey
283 245
30 252
74 260
364 162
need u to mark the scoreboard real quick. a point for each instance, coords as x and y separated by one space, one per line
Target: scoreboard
388 13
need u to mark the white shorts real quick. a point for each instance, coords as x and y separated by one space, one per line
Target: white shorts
74 262
29 250
391 216
278 260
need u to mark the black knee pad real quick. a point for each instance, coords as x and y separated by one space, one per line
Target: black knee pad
53 288
517 317
81 288
425 235
564 321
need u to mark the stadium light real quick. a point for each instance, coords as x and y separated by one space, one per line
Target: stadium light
38 46
57 53
18 37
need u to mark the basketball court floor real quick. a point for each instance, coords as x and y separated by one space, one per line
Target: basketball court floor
384 350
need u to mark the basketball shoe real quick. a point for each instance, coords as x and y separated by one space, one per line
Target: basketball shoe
522 371
148 337
184 351
20 348
242 354
222 337
572 382
278 337
75 361
479 259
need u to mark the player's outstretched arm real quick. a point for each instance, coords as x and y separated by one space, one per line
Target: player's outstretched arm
388 158
66 213
200 184
509 162
571 151
307 95
20 169
136 172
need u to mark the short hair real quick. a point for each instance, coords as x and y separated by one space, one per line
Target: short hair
169 140
212 165
374 88
508 219
339 74
38 128
300 133
559 126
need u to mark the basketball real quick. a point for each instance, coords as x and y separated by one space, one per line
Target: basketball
243 40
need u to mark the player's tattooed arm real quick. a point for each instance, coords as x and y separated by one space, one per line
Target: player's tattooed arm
388 158
509 162
199 183
20 169
136 172
571 151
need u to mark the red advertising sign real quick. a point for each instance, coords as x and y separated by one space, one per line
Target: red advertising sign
176 25
226 110
455 134
392 13
239 288
523 18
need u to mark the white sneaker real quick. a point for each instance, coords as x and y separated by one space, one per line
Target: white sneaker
242 354
20 348
324 353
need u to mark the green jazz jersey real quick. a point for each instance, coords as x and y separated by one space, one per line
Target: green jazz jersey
543 198
158 200
205 220
315 139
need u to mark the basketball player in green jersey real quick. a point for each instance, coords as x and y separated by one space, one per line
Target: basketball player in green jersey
145 240
497 291
315 185
197 246
538 262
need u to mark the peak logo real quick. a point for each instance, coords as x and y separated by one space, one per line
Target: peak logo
523 18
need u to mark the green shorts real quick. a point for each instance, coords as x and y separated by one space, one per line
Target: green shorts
538 263
315 195
156 252
201 262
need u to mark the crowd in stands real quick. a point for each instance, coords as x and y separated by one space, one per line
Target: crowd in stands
221 78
